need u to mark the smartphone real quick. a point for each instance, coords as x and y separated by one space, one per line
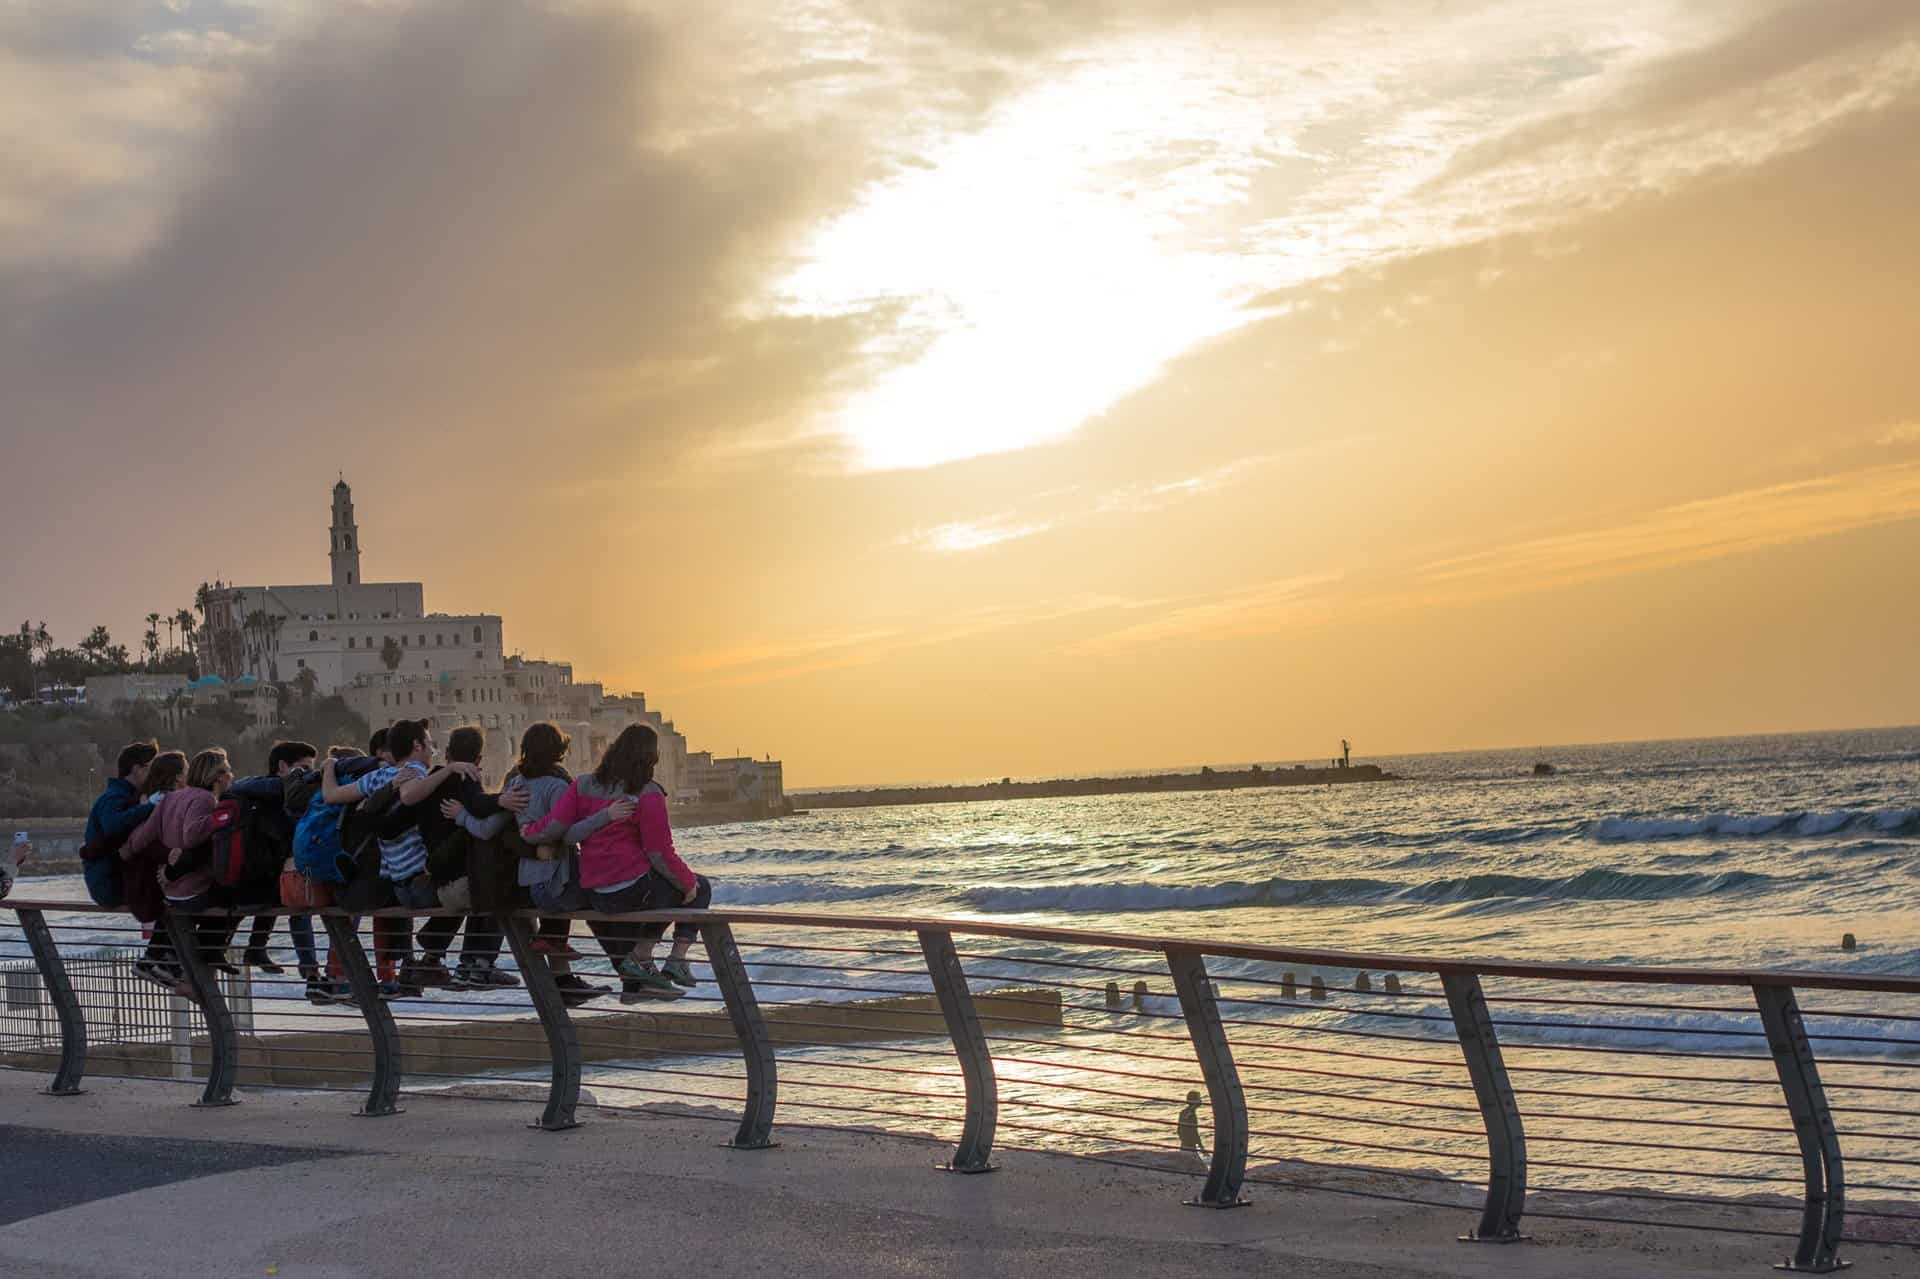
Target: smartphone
20 837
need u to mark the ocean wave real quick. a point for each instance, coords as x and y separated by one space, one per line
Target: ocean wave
1599 884
1615 830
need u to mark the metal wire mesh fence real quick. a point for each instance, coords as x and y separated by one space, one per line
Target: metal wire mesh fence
1685 1099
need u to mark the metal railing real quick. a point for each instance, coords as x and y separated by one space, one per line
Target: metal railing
1697 1099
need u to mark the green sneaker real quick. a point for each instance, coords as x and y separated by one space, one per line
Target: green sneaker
645 975
680 973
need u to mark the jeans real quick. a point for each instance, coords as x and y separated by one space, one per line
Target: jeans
300 927
653 891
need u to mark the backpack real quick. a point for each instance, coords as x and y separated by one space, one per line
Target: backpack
316 841
244 851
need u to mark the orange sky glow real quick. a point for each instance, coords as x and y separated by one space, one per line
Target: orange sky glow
912 393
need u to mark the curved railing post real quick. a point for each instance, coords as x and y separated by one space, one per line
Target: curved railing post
1823 1217
1228 1170
343 939
223 1046
73 1021
563 1042
756 1046
1499 1111
975 1152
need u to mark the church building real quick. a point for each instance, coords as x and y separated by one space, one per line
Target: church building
346 628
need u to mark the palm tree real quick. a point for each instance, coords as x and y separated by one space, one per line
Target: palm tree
169 621
390 653
152 640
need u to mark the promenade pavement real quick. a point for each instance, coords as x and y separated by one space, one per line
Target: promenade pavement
129 1180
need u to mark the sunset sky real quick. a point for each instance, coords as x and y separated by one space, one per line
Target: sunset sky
920 390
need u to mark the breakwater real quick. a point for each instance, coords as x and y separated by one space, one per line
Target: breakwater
1060 788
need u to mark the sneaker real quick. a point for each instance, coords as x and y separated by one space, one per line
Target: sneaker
263 961
322 992
575 991
644 972
461 978
391 990
163 975
636 991
679 973
428 970
485 974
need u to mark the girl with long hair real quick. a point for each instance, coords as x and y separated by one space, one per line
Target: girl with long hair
618 817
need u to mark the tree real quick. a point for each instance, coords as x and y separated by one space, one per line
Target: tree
307 682
151 642
390 653
183 618
97 645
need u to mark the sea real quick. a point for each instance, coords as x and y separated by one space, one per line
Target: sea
1759 852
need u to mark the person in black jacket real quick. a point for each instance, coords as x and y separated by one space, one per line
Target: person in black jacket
478 815
268 793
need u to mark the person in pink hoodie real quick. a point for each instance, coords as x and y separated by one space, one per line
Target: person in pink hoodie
618 816
181 823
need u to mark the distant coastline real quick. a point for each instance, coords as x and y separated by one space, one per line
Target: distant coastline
1205 780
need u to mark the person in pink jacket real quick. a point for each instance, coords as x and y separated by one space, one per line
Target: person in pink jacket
181 823
618 817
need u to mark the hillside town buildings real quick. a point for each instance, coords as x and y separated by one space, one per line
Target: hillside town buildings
374 645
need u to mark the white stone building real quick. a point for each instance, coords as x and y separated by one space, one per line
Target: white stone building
342 630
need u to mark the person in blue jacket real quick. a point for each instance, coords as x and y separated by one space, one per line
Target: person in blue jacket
113 817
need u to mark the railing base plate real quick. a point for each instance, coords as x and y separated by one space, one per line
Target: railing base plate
966 1169
749 1145
215 1105
1827 1269
62 1092
539 1126
1197 1202
364 1113
1474 1236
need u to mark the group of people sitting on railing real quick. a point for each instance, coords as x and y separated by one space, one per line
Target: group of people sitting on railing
391 827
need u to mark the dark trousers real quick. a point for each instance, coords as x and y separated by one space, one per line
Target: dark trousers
482 941
654 891
300 927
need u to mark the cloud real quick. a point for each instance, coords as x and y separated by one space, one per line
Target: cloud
1670 537
962 536
446 217
1126 500
778 660
1160 188
1731 524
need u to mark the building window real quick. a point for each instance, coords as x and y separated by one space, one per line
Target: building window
459 694
423 641
349 641
476 634
476 652
369 641
409 698
313 637
403 641
439 641
349 579
302 661
427 663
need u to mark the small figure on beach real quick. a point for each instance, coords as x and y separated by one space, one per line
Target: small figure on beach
1190 1142
19 855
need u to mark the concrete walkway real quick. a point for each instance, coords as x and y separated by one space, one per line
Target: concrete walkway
128 1180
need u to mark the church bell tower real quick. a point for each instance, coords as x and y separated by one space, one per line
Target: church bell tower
345 553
